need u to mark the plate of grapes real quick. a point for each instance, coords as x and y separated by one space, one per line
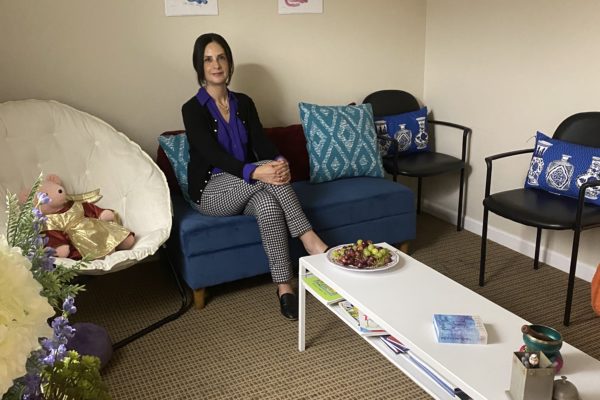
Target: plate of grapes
363 256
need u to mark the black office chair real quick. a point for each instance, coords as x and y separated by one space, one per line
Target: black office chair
544 210
424 164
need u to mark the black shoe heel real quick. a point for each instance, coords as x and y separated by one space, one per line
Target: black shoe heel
288 304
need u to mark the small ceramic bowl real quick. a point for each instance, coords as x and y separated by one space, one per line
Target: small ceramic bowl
549 347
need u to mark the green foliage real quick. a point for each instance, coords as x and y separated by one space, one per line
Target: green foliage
15 392
56 286
75 377
21 229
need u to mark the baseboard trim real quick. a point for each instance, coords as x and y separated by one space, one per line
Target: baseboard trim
513 242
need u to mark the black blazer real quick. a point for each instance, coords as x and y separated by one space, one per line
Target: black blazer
205 150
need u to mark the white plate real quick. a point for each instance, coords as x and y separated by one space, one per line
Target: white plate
393 262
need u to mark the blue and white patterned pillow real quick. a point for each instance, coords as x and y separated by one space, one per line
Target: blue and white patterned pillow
409 130
177 149
341 141
561 167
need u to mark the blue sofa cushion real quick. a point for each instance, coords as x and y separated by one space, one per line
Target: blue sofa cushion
352 200
327 205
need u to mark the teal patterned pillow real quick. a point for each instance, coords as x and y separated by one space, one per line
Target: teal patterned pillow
341 141
177 149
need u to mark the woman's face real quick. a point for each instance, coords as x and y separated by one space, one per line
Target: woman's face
216 65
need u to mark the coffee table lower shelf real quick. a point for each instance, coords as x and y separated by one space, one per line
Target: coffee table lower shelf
401 361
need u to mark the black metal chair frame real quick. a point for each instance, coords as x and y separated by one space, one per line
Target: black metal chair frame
395 172
577 226
186 303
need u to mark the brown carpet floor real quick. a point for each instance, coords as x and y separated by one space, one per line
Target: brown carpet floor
239 347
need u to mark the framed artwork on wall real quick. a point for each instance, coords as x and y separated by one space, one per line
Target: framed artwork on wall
300 6
176 8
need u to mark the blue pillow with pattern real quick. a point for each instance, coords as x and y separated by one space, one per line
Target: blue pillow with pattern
561 167
409 130
177 149
341 141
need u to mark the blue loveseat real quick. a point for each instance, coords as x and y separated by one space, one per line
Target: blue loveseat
212 250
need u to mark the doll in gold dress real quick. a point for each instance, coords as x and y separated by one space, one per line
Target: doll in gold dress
77 228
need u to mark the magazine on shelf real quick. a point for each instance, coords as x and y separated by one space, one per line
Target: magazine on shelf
398 348
365 325
320 288
394 344
465 329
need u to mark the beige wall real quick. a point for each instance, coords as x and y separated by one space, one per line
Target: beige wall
127 63
507 69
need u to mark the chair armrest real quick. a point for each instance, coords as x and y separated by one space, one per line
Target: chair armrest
581 200
490 159
466 132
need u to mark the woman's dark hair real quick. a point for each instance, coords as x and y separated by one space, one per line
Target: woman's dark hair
198 56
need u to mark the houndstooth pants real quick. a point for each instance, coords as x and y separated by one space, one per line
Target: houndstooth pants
276 208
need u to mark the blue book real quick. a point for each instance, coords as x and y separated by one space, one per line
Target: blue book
466 329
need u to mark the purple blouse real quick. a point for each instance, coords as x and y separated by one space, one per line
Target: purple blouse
231 135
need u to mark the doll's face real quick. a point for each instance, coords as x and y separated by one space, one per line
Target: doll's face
57 195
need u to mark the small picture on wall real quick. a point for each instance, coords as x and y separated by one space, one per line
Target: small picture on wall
176 8
300 6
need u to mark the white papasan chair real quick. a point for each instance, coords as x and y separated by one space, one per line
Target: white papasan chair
47 136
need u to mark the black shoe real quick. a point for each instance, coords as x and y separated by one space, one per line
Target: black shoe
288 303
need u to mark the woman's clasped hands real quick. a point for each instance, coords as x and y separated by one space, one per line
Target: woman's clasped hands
274 172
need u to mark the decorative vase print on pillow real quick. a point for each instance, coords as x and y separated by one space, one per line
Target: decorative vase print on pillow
382 135
403 136
559 173
592 175
537 163
422 138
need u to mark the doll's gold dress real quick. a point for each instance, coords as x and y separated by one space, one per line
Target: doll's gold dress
92 237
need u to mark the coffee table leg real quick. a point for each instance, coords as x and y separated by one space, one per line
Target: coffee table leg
301 307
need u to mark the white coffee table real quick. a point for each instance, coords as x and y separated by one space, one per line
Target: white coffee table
403 300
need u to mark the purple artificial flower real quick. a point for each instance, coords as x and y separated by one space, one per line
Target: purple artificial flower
38 223
48 264
47 259
47 348
69 305
39 241
50 359
61 351
37 213
54 349
43 198
32 382
62 331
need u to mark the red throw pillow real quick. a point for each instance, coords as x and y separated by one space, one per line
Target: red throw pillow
165 165
291 143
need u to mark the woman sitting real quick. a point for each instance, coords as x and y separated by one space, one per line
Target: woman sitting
234 168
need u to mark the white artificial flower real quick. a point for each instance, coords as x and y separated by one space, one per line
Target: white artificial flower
23 314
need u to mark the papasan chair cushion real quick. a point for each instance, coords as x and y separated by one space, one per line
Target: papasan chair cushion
47 136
